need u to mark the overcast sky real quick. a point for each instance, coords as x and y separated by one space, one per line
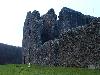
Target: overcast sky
13 14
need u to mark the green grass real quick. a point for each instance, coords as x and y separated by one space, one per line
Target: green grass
13 69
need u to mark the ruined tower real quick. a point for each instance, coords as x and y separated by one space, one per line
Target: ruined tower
67 41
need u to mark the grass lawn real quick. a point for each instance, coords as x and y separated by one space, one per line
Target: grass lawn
13 69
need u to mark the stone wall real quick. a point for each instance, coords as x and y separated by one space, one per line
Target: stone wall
72 40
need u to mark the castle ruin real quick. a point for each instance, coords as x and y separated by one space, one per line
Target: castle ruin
72 40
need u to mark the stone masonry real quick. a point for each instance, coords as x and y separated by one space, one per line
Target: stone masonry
73 40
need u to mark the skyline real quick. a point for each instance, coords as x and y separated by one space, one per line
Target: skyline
13 14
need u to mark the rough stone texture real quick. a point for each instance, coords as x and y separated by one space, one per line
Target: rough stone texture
81 47
72 40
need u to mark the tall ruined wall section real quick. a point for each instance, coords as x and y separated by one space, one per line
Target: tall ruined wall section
72 40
